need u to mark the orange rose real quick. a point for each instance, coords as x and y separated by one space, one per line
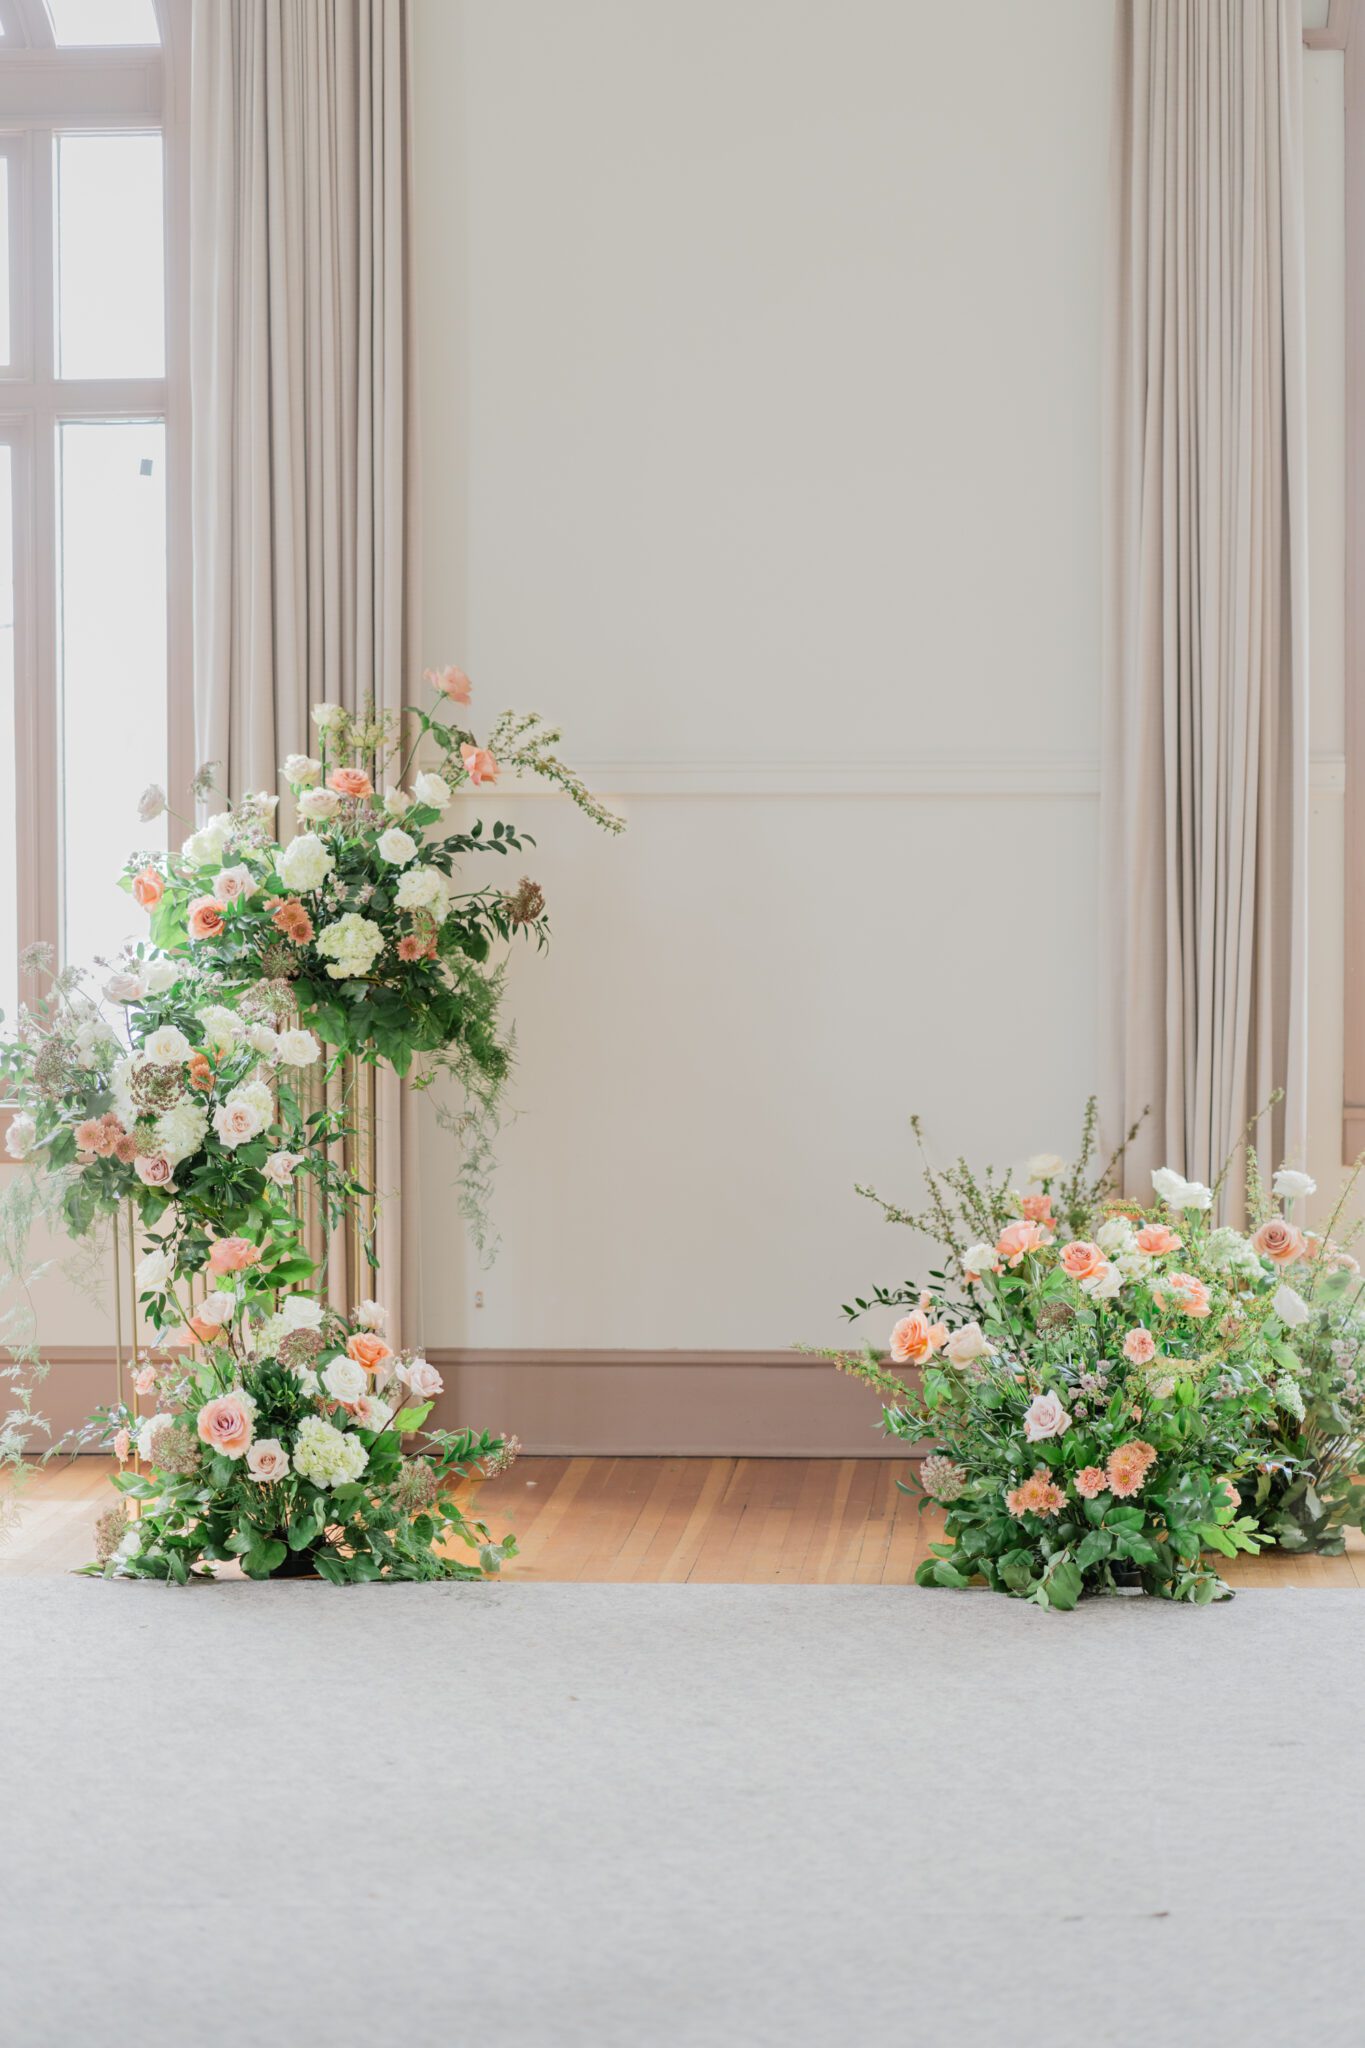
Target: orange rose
1185 1292
350 782
1017 1240
148 888
206 918
1156 1240
479 764
367 1350
1082 1259
1279 1241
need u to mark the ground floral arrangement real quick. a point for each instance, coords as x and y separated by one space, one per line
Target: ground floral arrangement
1116 1394
190 1089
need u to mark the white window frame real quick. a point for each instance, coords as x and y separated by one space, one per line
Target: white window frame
44 91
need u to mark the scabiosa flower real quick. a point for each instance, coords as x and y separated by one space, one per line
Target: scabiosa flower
941 1478
1037 1495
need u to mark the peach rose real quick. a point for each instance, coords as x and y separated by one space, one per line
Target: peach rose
233 1255
1038 1209
1017 1240
451 682
1139 1346
367 1350
1156 1239
1185 1292
479 764
154 1170
123 1443
206 918
226 1425
915 1339
144 1379
267 1461
1082 1260
1090 1481
1283 1242
148 888
350 782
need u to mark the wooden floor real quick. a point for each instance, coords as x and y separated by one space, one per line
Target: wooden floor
760 1521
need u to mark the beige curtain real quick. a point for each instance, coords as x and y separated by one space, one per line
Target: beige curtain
1204 805
302 399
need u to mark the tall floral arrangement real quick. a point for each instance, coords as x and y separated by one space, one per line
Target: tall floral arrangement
1095 1379
187 1089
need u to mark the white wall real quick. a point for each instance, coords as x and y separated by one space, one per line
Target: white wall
761 358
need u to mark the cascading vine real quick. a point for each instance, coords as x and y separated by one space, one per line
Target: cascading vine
209 1092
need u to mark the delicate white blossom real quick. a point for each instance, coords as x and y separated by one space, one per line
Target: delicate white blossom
328 1456
1289 1185
431 790
1178 1193
396 846
22 1135
301 770
352 945
305 863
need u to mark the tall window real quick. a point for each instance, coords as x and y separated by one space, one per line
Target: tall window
91 463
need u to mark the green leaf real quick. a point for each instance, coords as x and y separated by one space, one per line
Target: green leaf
1093 1547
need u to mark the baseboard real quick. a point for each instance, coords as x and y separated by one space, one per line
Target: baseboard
751 1404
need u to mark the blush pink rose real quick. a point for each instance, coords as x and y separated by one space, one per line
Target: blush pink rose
144 1379
1017 1240
1187 1293
154 1170
915 1339
1082 1260
1139 1347
1156 1239
123 1443
232 1255
225 1425
350 782
267 1461
205 918
1045 1417
1279 1241
421 1380
148 888
451 682
479 764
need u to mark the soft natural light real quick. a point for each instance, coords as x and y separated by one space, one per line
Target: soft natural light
112 535
9 850
110 247
4 261
106 22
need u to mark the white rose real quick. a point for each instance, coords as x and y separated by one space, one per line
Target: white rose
370 1316
422 888
325 716
1289 1185
298 1048
1291 1308
432 791
22 1135
1045 1166
396 846
159 975
205 847
305 863
979 1258
229 884
1045 1417
967 1344
301 1312
279 1167
422 1381
221 1027
1104 1285
344 1379
301 770
151 803
258 1095
267 1460
319 803
262 1039
153 1271
237 1121
125 988
1115 1236
167 1046
397 803
217 1308
1178 1193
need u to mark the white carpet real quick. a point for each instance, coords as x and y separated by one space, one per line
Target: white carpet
639 1816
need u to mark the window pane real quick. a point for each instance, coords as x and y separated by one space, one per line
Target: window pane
110 238
4 261
9 844
106 22
112 570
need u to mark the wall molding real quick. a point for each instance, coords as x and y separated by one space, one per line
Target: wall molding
926 777
612 1403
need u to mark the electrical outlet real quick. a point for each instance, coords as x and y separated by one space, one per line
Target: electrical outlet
478 1298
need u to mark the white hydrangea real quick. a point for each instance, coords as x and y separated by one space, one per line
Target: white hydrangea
205 848
167 1046
221 1026
396 846
181 1129
328 1456
305 863
423 888
301 770
297 1048
1227 1251
258 1096
352 945
431 790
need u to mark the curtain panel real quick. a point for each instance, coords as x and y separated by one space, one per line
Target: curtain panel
302 404
1205 766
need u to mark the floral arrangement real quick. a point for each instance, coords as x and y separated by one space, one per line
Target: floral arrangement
294 1443
192 1088
1096 1378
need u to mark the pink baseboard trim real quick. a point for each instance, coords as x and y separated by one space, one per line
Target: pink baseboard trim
752 1404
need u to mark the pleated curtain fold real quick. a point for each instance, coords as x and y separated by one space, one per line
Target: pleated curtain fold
1205 769
302 403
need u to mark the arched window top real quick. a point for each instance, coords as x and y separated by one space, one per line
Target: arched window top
85 25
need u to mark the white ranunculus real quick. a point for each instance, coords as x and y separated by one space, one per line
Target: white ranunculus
22 1135
301 770
1178 1193
370 1316
152 802
301 1312
153 1271
1045 1166
1289 1185
1290 1307
298 1048
431 790
424 1383
265 1040
217 1308
980 1258
423 888
344 1379
319 803
396 846
325 716
159 975
1115 1235
967 1344
167 1046
397 803
221 1026
305 863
